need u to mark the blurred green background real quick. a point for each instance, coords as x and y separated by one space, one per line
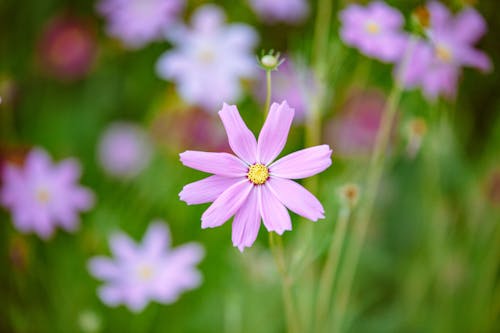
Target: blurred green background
431 260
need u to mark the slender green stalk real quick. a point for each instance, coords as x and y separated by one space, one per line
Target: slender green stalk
330 270
375 171
276 245
292 319
360 228
268 92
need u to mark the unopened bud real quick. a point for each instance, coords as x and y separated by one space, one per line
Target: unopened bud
420 20
270 61
349 194
415 131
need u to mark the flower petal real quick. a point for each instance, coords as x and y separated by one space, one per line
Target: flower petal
296 198
103 268
272 137
246 222
303 163
157 239
207 189
122 246
274 214
222 164
241 139
226 205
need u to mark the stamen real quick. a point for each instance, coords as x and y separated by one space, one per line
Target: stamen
258 174
443 53
145 272
43 196
373 28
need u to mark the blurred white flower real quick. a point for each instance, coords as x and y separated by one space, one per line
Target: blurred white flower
209 59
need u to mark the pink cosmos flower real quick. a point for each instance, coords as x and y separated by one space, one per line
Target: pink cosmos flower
375 30
138 22
289 11
250 185
354 129
435 65
140 273
210 56
124 150
67 47
41 195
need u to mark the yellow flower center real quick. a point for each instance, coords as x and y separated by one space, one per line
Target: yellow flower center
444 54
373 28
145 272
206 56
258 173
43 196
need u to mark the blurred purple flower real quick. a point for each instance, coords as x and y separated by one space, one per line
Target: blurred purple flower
250 186
291 83
190 127
375 30
435 65
138 22
355 129
289 11
124 150
210 57
150 271
67 47
41 195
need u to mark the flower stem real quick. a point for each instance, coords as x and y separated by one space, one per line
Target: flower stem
276 246
330 270
268 92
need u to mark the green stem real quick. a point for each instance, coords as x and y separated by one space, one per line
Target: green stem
330 270
375 171
268 92
292 319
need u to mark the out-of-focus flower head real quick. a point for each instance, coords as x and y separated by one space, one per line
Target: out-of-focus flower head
435 64
187 128
149 271
138 22
375 30
209 59
42 195
415 132
349 194
250 185
354 130
292 83
288 11
67 47
124 150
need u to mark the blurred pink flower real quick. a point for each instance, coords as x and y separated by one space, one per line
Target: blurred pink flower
375 30
190 127
289 11
138 22
435 65
291 83
150 271
41 195
249 185
124 150
210 57
355 129
67 47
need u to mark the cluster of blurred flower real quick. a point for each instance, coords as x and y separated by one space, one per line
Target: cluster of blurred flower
208 61
432 62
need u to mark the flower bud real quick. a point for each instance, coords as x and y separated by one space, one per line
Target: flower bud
270 61
349 194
